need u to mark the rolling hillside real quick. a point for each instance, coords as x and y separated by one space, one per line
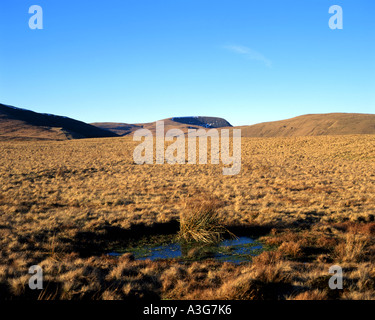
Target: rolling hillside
21 124
314 125
306 125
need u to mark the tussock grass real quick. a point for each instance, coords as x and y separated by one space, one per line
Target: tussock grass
200 222
352 249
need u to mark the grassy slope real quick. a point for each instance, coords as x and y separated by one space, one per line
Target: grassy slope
314 125
23 124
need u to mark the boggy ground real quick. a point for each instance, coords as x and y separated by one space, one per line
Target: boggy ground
64 204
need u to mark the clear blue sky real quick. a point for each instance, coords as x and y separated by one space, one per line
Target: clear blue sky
143 60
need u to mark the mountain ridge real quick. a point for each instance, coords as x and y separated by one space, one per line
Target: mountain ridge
22 124
304 125
182 123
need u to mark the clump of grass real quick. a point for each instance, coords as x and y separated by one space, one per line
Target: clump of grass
291 249
200 222
352 249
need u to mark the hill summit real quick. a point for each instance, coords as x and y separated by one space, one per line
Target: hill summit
207 122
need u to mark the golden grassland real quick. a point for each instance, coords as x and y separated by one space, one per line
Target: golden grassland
311 199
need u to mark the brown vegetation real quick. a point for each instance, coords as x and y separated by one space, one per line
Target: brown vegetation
200 221
62 204
314 125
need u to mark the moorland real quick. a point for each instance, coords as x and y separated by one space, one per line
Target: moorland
309 200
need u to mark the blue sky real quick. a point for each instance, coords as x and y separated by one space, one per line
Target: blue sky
143 60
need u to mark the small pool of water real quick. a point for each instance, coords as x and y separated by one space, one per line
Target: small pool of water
235 250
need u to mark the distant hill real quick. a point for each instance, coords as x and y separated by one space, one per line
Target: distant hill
207 122
306 125
314 125
183 123
22 124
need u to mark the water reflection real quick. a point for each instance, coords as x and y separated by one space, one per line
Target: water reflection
233 250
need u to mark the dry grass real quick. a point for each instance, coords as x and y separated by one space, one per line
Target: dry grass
352 249
200 222
62 202
311 295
